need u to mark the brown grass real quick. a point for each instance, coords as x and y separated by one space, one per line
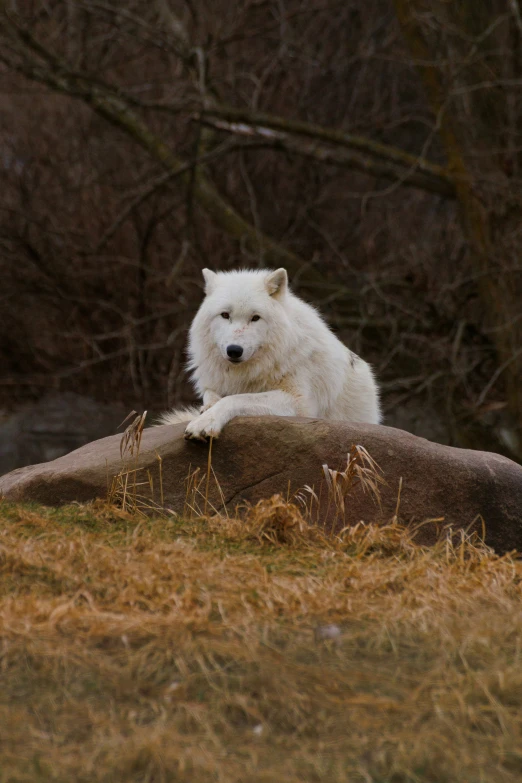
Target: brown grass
258 649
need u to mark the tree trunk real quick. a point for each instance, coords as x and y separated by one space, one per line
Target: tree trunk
457 49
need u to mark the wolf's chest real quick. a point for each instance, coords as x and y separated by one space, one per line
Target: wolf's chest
236 383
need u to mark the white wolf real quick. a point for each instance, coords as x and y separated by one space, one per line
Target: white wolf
257 349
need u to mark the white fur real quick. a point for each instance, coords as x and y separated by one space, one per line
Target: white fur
292 364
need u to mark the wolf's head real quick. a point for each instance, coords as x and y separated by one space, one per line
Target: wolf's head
241 314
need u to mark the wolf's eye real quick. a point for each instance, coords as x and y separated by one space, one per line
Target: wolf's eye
256 317
225 315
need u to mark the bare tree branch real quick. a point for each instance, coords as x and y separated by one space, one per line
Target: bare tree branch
339 155
499 291
111 105
176 28
373 149
517 16
153 187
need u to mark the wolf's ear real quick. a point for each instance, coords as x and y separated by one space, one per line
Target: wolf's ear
210 280
277 283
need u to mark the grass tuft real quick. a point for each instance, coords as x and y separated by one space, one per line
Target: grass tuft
279 521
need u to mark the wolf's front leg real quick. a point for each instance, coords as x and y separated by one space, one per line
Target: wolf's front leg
209 399
210 423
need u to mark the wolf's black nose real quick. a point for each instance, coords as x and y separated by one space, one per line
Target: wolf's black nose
234 351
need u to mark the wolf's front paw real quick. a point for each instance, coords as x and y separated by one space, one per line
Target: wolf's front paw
204 427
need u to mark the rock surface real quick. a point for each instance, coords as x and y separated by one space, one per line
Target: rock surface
257 457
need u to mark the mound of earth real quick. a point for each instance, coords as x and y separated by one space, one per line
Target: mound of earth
257 457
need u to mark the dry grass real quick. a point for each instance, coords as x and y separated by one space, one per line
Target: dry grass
259 649
132 488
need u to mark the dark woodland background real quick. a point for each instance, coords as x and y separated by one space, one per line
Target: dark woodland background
373 149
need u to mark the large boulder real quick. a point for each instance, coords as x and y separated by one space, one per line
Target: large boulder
257 457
